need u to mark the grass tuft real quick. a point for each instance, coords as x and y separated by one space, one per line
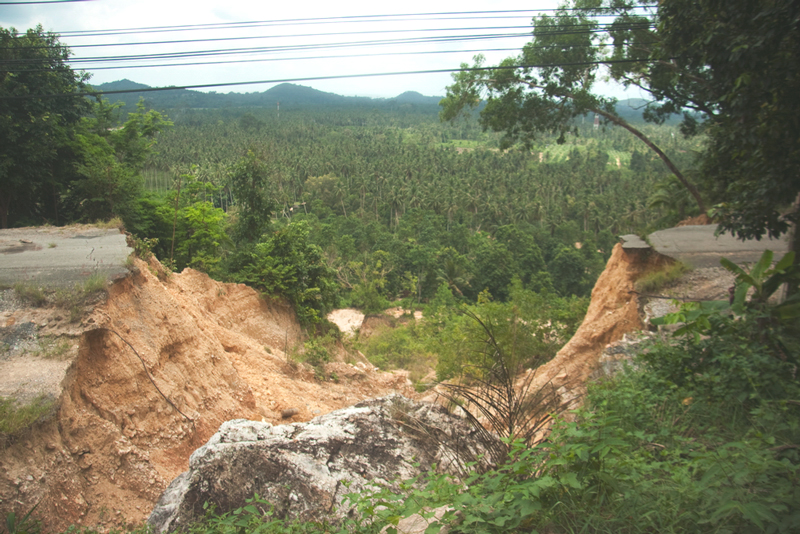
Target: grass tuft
35 295
655 281
15 418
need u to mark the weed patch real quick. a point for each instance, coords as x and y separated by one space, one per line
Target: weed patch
14 418
316 352
51 347
655 281
30 293
114 222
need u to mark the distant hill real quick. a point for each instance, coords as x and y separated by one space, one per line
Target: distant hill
290 96
413 97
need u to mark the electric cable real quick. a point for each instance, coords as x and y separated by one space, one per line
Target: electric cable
306 79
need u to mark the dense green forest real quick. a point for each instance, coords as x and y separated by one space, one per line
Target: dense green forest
400 202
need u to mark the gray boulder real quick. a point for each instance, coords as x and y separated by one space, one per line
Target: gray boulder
304 470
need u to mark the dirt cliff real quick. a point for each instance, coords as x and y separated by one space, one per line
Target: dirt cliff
614 311
159 366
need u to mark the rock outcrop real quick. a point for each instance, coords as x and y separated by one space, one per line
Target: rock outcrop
304 470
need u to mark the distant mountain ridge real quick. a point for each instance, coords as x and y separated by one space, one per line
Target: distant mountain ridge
293 96
289 95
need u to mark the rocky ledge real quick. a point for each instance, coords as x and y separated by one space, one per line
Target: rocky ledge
304 470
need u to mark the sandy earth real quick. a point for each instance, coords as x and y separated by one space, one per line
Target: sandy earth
212 352
616 310
348 320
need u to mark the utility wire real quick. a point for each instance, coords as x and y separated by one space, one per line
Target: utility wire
251 50
76 63
306 79
287 36
284 48
340 19
114 61
293 58
561 30
42 2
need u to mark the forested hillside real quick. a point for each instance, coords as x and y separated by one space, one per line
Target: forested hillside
400 202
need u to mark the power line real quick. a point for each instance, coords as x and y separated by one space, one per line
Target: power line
76 63
306 79
340 19
287 36
307 47
293 58
129 60
560 30
42 2
284 48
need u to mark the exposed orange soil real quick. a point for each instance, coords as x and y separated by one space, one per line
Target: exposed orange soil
613 312
216 351
699 220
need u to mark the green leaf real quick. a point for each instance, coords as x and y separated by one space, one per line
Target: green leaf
570 479
761 265
528 507
732 267
785 262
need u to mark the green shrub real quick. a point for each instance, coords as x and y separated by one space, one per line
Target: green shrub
404 347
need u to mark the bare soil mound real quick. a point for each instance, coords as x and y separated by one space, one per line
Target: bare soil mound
347 319
159 366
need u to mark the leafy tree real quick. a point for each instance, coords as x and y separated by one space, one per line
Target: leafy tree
453 270
569 272
39 108
200 232
551 82
250 183
494 267
741 60
286 263
369 290
110 161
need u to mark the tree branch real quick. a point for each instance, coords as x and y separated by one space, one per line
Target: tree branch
614 119
668 162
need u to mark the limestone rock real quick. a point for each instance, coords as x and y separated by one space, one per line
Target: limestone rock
304 470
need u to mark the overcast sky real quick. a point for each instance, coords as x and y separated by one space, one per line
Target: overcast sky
359 42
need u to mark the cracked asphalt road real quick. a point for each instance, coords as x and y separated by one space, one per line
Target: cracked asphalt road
61 256
699 247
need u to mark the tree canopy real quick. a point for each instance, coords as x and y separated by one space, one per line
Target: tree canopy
741 61
35 156
552 82
731 68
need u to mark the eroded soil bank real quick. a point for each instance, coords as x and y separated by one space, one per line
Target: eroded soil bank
159 366
215 352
